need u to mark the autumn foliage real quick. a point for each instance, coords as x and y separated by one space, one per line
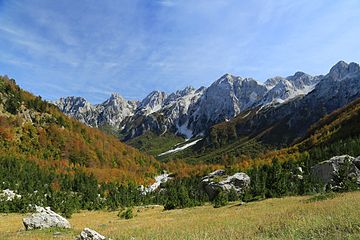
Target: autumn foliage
37 130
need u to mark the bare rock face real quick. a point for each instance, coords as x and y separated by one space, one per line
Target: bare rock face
326 170
163 178
89 234
218 181
45 218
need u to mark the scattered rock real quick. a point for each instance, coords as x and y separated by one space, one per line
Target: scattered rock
89 234
45 218
163 178
325 171
9 195
217 181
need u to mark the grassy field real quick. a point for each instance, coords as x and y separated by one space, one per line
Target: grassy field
336 217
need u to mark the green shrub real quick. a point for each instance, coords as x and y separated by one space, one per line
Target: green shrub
221 199
321 197
233 195
127 214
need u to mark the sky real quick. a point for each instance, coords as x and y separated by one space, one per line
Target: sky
93 48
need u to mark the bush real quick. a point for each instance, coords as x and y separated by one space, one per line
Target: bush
321 197
343 179
233 195
127 214
221 200
169 205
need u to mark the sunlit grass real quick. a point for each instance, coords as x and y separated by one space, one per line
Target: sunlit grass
283 218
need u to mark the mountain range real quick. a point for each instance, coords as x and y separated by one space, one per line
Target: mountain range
189 112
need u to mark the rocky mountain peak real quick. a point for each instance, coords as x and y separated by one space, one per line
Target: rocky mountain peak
341 69
73 104
187 90
226 79
116 96
271 82
152 102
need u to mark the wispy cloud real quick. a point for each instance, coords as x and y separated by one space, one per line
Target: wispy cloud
89 48
166 3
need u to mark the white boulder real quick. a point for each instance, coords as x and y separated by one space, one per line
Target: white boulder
45 218
218 181
89 234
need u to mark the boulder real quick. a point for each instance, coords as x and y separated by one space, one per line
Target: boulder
218 181
89 234
45 218
325 171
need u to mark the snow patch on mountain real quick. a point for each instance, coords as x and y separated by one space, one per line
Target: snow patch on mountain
178 149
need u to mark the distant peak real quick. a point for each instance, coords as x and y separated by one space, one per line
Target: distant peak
185 91
299 74
340 65
341 69
226 75
74 98
271 82
226 78
155 93
116 96
189 88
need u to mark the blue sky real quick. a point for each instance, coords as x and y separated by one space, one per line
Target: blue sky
93 48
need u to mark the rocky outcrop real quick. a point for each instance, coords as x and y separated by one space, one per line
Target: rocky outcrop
163 178
45 218
217 181
9 195
325 171
89 234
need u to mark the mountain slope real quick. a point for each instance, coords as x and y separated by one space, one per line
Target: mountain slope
284 124
37 130
341 124
274 125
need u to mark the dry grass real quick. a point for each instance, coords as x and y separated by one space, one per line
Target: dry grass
285 218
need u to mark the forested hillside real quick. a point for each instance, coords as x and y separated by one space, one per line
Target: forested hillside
38 131
335 134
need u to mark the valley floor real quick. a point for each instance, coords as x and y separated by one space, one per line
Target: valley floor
283 218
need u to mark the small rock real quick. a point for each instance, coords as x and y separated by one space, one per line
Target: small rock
89 234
